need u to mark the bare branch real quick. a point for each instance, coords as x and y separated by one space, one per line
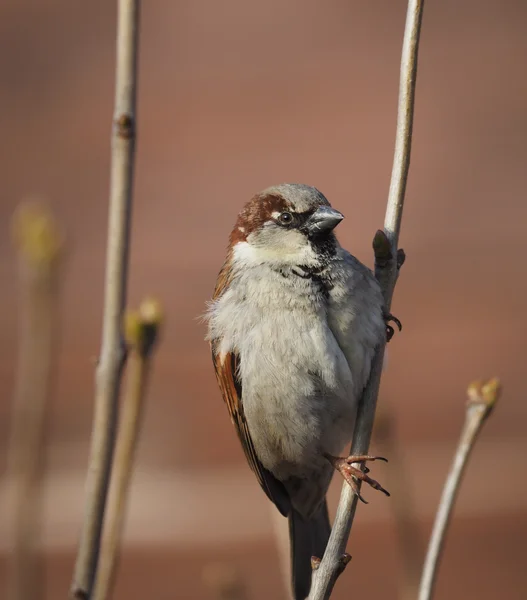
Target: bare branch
108 376
39 246
481 400
387 258
141 331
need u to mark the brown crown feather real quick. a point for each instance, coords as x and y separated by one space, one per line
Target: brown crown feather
255 213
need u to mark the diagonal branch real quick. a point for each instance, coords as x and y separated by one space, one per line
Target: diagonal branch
111 360
386 270
482 398
141 333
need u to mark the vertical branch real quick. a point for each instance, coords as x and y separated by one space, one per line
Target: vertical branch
405 118
111 359
481 400
387 258
141 331
39 247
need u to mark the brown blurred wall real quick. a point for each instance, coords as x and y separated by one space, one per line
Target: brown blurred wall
235 96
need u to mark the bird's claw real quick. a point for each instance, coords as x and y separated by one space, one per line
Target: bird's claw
389 318
353 475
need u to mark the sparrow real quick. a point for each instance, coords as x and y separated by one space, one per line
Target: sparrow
293 325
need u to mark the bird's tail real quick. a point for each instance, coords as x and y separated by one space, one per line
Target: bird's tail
308 537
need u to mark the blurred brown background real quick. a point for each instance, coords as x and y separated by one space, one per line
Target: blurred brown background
235 96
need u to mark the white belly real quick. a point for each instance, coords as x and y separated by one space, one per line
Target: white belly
297 393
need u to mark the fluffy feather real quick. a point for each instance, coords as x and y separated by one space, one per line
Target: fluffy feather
294 324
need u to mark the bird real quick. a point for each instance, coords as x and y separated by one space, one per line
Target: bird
293 325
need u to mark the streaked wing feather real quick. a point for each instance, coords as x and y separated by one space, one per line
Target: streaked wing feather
230 386
226 368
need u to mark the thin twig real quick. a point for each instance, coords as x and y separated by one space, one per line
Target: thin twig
386 259
141 331
481 400
39 247
109 370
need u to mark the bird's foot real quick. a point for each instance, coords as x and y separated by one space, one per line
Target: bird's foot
389 318
353 474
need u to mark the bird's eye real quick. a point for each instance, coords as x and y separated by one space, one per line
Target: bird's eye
285 218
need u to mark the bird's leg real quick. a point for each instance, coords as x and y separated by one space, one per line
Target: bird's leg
351 474
389 318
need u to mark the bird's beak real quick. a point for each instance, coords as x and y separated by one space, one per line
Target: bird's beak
324 220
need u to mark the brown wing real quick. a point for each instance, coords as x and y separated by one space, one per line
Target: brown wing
224 278
227 375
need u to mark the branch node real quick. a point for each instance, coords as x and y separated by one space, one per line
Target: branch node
141 327
401 257
343 563
382 249
125 126
485 394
